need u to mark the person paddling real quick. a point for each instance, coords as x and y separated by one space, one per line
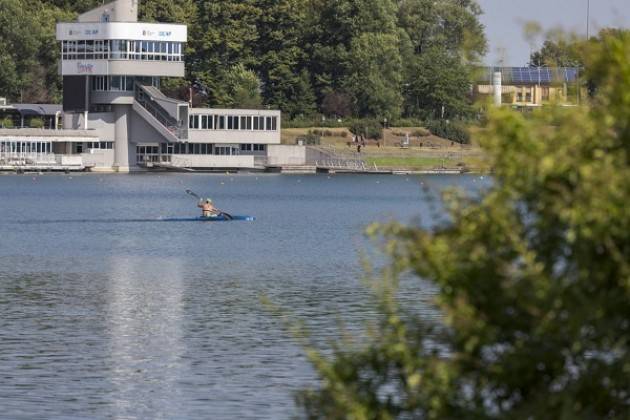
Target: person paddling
207 208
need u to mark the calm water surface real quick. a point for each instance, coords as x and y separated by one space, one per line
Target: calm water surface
107 312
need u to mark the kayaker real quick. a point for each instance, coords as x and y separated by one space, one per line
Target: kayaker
207 208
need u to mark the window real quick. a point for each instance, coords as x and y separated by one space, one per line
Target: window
243 123
249 123
246 147
204 122
259 147
232 123
274 123
116 83
255 123
219 123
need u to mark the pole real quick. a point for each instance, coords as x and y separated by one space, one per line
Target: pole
588 19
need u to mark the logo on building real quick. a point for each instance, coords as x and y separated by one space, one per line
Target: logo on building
85 68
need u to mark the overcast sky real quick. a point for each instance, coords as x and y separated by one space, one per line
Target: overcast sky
504 22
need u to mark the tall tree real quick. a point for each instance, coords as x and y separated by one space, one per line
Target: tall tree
439 43
225 35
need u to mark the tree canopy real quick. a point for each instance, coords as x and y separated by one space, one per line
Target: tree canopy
363 58
532 279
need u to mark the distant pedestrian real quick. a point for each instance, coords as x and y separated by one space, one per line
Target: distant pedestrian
378 143
358 148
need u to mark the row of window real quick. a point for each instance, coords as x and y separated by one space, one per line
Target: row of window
25 147
230 122
122 50
84 147
198 149
121 83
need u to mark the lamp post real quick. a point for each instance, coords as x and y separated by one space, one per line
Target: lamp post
588 19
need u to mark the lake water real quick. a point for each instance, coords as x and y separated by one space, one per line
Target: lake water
108 312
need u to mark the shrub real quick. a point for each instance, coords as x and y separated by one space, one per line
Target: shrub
371 129
449 130
406 122
421 132
36 123
311 139
7 123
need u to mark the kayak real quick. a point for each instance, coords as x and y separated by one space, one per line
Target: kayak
219 218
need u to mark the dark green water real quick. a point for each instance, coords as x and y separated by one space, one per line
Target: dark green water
105 313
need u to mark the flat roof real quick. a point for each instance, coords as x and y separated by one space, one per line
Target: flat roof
14 134
35 109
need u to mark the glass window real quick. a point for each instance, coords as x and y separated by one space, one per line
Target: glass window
204 122
274 123
197 149
243 123
255 123
116 83
221 125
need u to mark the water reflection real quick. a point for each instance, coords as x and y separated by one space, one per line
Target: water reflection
144 318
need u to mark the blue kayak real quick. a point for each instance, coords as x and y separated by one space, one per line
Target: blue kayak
219 218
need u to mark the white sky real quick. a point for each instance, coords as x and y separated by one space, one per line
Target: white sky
504 23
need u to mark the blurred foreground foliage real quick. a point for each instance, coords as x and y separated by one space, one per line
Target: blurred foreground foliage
533 280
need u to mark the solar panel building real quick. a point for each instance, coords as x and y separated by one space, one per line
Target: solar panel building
531 86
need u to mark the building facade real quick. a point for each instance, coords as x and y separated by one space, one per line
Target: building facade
114 115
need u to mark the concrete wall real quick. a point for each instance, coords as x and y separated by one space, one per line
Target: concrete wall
212 161
234 136
99 159
286 155
118 11
104 124
113 98
142 131
122 68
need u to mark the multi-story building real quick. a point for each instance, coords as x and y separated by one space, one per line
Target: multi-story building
116 118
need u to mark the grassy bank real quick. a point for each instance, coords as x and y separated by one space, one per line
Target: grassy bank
425 152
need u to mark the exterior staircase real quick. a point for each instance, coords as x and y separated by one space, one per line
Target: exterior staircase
167 116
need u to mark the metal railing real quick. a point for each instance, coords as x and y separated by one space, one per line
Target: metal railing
342 164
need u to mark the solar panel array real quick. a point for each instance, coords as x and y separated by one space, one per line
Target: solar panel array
532 75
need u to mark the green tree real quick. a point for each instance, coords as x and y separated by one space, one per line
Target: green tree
333 29
560 52
225 35
375 75
439 43
243 88
167 11
533 279
19 36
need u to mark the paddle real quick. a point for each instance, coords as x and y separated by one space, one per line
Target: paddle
226 215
